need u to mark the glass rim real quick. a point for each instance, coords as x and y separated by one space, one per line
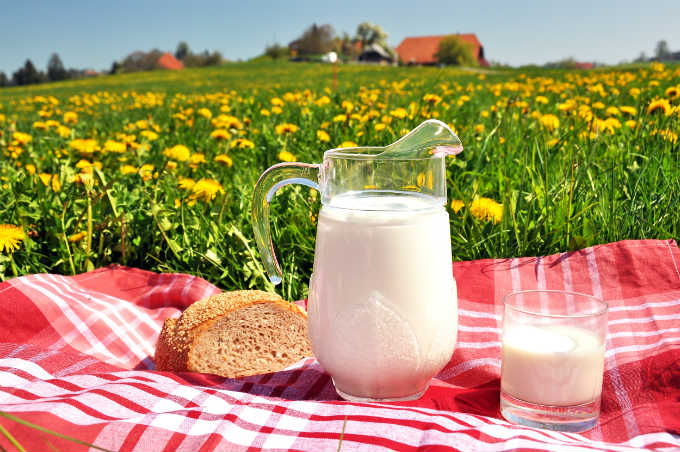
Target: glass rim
370 153
604 306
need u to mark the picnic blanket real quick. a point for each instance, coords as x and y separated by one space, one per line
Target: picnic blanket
76 357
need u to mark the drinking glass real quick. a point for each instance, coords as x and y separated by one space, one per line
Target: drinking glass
552 364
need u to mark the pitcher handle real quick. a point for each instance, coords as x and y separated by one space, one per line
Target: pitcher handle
269 182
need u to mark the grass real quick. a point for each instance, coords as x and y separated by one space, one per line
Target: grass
582 180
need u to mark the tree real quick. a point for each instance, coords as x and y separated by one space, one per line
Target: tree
182 50
55 68
141 61
276 51
27 75
641 58
3 79
317 39
454 51
662 52
344 45
368 33
204 58
115 67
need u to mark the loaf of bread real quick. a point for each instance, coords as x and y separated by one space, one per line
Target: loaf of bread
234 334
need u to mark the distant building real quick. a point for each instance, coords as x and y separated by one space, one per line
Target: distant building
422 49
583 65
375 53
168 61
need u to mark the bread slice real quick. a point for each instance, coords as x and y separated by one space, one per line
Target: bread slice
234 334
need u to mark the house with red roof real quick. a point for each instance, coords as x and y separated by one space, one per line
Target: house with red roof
422 49
168 61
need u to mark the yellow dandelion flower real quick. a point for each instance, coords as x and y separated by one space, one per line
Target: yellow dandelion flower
286 128
242 143
45 178
550 122
380 126
659 105
348 144
196 159
277 102
70 117
323 100
224 159
672 92
277 110
265 112
186 183
178 152
146 171
56 183
82 163
207 114
323 136
432 98
456 205
340 118
598 105
21 138
487 209
628 110
220 134
128 169
10 237
541 100
77 237
612 111
347 106
631 123
114 146
63 131
30 168
84 146
479 128
635 92
227 122
286 156
206 190
149 135
666 135
399 113
39 125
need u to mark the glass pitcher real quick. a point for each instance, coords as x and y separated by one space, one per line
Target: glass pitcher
382 307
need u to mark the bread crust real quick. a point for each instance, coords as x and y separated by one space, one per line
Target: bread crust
177 335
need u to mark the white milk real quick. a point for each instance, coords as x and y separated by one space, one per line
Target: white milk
383 313
552 365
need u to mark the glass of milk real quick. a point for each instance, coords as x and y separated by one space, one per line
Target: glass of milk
382 307
552 360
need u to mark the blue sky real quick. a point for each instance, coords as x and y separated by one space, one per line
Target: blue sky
92 34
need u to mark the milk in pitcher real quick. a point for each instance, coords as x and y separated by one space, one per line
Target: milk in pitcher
382 301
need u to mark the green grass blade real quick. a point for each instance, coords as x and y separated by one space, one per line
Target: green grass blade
44 430
11 439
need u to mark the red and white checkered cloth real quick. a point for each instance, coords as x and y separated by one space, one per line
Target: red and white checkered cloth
75 357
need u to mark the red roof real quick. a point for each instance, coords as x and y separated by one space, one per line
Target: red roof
167 61
580 65
421 49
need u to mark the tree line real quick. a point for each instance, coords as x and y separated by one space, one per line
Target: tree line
28 74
